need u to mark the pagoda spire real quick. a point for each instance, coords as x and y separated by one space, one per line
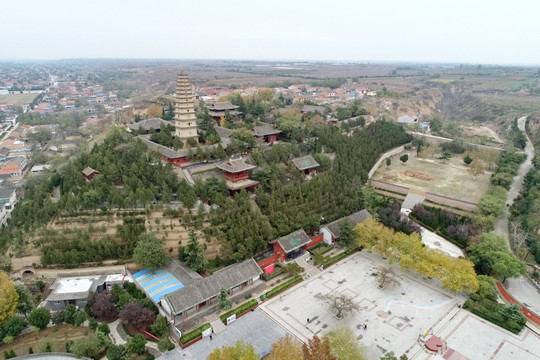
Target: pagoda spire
185 121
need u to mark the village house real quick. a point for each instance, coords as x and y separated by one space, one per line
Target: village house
13 166
75 290
8 199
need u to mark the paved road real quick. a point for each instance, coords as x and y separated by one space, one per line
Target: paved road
522 289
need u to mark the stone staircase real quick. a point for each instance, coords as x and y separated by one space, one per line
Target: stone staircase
218 326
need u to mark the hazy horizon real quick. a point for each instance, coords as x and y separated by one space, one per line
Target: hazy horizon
417 31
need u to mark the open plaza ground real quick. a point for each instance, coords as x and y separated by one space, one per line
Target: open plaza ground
450 178
396 315
18 99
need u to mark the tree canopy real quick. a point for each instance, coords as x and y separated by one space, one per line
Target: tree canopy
10 298
149 252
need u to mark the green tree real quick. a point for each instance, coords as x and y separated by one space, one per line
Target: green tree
344 344
10 298
404 158
40 318
492 254
244 135
26 305
136 344
115 352
388 162
242 350
69 314
161 326
89 346
346 234
436 125
14 326
149 252
104 328
224 302
467 160
194 253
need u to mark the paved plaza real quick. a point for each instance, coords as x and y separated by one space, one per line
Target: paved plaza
396 315
254 328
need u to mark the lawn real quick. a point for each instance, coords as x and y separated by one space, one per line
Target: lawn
18 99
57 336
450 178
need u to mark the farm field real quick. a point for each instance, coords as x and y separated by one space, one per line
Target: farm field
18 99
431 175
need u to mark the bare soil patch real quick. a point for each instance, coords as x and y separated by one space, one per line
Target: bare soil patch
450 178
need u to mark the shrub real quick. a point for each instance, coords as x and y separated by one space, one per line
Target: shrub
40 318
282 287
8 339
104 328
242 308
194 333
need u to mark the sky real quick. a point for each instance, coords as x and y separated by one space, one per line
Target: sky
457 31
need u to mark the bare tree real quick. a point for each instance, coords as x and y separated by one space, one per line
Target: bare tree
341 304
385 276
518 237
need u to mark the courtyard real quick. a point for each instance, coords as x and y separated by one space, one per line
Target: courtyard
392 319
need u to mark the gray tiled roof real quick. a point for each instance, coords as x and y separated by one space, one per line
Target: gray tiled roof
5 193
204 289
294 240
234 166
223 105
153 123
305 162
223 132
354 219
87 171
264 130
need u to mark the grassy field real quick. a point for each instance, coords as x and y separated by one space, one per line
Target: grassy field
57 336
18 99
450 179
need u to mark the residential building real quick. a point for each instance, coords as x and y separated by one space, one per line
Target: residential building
8 199
75 290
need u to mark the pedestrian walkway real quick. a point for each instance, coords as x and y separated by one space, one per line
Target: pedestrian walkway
310 269
115 335
218 326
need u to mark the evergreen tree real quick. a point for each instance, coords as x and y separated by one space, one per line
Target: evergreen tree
224 303
194 253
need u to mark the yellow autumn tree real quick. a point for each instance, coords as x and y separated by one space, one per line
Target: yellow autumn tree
154 110
242 350
9 299
456 274
286 348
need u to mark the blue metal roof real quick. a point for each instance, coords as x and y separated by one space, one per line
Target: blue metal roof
157 284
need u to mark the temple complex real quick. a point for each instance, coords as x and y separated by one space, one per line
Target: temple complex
185 120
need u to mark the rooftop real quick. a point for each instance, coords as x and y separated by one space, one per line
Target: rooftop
223 105
79 287
157 284
294 240
354 219
152 123
305 162
87 171
264 130
234 166
204 289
